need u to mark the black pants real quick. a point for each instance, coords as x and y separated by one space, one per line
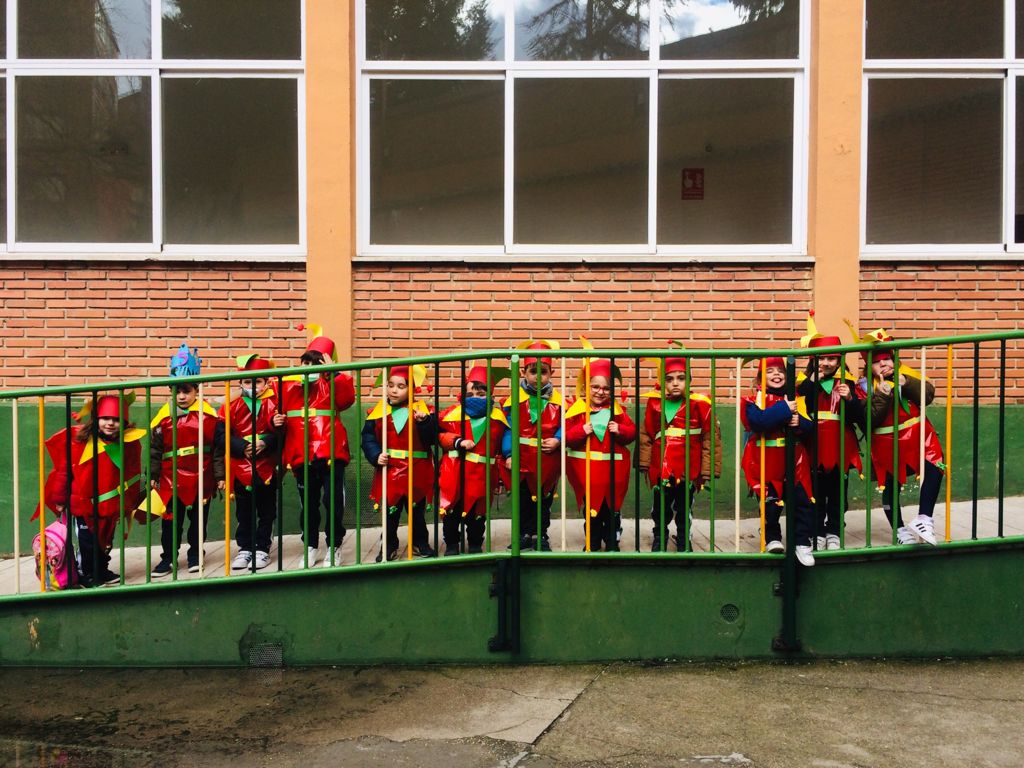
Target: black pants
88 549
827 502
528 511
450 525
803 521
604 529
320 487
930 486
675 509
167 530
420 534
265 498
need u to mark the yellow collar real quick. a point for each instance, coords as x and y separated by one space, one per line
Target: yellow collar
456 415
165 412
130 436
580 406
524 396
378 409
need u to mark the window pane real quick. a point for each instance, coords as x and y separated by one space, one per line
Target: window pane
84 29
230 161
581 160
581 30
934 161
725 161
1018 220
232 29
425 30
3 163
734 29
916 29
84 159
436 162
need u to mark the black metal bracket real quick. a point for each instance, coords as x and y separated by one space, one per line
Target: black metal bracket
499 589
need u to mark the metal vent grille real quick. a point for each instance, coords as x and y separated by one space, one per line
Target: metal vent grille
266 656
730 612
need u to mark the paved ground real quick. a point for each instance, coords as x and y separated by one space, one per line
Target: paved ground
823 714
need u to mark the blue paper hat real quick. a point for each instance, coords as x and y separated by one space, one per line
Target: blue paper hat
185 362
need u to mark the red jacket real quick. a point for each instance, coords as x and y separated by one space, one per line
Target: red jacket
549 418
162 465
240 426
677 435
774 451
398 467
909 431
829 428
604 453
321 416
452 426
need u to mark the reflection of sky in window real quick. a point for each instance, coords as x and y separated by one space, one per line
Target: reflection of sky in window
697 17
129 22
526 9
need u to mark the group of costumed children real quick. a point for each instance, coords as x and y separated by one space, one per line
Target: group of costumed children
298 426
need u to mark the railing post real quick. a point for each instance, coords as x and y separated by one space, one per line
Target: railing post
788 641
515 560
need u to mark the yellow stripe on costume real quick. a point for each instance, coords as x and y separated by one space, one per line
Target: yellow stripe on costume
378 410
130 436
496 415
580 406
165 412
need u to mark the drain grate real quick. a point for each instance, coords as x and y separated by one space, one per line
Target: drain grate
266 656
730 612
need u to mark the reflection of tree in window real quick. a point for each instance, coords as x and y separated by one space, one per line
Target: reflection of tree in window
232 29
440 30
589 30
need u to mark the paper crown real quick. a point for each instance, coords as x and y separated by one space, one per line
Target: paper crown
419 373
599 366
874 337
670 364
537 344
106 408
253 362
185 362
816 339
478 374
318 342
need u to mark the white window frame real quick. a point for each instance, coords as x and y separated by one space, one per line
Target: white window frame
1007 69
653 69
157 70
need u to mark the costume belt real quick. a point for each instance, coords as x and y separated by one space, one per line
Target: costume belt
778 442
399 454
474 458
678 432
188 450
302 412
117 491
904 425
594 455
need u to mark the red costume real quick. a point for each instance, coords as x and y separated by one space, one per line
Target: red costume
606 449
398 456
321 415
241 426
186 482
909 439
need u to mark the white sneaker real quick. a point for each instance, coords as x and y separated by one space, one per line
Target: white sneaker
805 554
327 558
831 542
311 553
262 560
821 542
775 547
242 560
923 527
904 536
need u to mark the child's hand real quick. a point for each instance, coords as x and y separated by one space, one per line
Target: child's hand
885 387
278 420
154 484
588 428
221 485
613 427
549 444
382 460
844 391
420 415
903 379
792 405
466 444
508 463
794 420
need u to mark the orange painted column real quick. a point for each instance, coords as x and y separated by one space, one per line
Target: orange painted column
837 35
330 168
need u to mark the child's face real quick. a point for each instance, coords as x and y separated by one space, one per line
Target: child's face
398 390
261 386
882 368
476 389
675 385
531 374
775 377
108 426
600 391
827 366
184 395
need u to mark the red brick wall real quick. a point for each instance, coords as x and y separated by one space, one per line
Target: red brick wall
69 323
945 299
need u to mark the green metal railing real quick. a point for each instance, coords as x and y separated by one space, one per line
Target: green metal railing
703 521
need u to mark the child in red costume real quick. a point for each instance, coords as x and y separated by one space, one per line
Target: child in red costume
540 427
671 475
253 462
766 415
901 393
309 397
175 477
821 392
606 429
398 418
463 481
95 448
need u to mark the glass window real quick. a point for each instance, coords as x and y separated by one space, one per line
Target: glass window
423 30
725 161
581 160
232 29
3 163
1018 217
83 155
84 29
934 160
917 29
436 161
730 29
581 30
230 160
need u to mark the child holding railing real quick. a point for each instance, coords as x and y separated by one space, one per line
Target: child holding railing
463 480
398 421
174 460
766 413
309 424
254 461
670 475
540 414
96 506
597 423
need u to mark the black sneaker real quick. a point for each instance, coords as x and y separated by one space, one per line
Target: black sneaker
162 568
545 544
193 565
423 550
450 550
107 576
475 549
392 555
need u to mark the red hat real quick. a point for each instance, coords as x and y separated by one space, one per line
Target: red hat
478 374
538 344
675 365
876 355
107 407
601 368
317 341
825 341
252 362
399 370
774 362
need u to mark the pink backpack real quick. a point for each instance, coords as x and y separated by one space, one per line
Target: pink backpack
58 574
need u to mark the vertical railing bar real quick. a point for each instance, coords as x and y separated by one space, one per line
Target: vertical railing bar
123 423
540 439
662 480
714 437
611 531
738 456
488 450
228 486
761 442
329 529
438 453
410 427
95 489
464 512
42 496
252 467
17 514
636 456
896 486
842 454
384 511
514 426
975 457
949 439
174 484
561 454
358 469
69 475
924 415
869 378
305 473
815 457
587 512
278 473
1002 432
148 488
201 493
687 494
